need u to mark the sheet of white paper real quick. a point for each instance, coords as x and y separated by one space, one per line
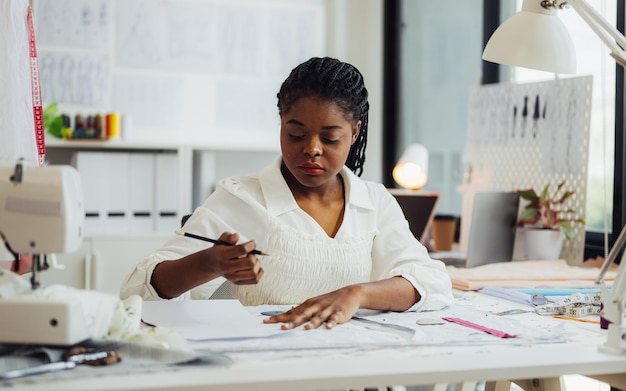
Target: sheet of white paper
206 319
300 342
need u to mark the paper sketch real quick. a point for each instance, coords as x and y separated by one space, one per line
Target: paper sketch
75 78
83 24
176 69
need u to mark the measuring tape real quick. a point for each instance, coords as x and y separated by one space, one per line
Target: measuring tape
36 91
575 305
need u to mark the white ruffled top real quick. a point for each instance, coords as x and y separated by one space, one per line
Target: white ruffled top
374 242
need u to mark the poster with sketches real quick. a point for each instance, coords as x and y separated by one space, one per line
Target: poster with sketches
75 78
77 24
528 135
178 70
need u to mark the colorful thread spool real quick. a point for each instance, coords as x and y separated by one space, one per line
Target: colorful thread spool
112 124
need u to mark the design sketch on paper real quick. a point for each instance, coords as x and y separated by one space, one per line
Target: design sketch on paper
73 78
84 24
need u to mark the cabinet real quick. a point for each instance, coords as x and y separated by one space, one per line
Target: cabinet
102 262
124 184
118 236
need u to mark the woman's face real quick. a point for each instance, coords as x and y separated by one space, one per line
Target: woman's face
315 139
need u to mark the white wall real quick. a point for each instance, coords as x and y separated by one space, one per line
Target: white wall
355 35
206 96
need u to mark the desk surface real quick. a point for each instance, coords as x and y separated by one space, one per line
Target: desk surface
421 365
414 367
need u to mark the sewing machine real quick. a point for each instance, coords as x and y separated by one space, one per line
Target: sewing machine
41 213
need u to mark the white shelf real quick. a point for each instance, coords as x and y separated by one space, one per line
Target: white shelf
269 145
90 144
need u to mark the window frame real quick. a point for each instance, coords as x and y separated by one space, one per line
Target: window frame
594 241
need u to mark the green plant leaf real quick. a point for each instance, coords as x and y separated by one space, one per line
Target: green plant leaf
529 195
559 187
543 210
53 120
529 215
565 196
567 229
50 111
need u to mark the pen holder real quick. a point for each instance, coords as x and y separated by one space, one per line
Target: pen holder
443 230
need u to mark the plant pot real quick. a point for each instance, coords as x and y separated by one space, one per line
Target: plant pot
543 244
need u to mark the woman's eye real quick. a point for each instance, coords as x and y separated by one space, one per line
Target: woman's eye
331 141
296 137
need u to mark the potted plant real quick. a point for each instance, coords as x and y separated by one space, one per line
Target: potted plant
546 221
53 120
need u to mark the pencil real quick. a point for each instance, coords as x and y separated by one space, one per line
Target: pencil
214 241
577 319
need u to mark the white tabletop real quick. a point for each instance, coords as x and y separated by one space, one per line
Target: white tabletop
408 365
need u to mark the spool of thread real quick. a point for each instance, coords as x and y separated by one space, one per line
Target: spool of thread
98 126
112 124
79 126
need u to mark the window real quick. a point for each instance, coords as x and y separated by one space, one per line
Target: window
438 65
433 60
592 59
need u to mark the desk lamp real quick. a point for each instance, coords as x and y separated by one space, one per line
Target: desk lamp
411 171
41 212
536 38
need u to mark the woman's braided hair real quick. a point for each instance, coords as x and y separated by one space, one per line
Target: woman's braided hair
333 81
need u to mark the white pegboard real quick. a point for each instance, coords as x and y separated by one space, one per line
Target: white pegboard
528 135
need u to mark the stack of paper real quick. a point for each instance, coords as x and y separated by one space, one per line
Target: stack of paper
525 274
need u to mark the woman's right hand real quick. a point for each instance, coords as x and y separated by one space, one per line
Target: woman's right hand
236 263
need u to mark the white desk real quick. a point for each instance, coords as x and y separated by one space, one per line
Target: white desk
418 367
405 366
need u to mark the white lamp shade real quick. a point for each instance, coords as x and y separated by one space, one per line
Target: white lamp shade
533 38
411 171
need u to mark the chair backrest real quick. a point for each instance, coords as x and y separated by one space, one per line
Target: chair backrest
184 219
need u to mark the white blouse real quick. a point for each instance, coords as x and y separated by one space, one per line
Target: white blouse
374 242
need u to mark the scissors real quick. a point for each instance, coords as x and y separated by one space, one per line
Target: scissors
71 359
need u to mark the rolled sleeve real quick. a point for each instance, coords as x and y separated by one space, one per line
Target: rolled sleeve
138 281
397 252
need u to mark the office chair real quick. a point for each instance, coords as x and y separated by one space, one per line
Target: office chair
225 290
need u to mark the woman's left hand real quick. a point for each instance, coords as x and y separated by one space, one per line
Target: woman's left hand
329 309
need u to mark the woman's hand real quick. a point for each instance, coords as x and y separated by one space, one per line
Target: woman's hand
329 309
236 263
391 294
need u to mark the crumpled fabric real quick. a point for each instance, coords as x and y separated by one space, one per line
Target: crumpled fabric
106 316
126 325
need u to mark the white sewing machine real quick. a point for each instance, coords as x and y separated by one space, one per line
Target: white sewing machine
41 212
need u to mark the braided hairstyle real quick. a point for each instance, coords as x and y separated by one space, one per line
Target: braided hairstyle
333 81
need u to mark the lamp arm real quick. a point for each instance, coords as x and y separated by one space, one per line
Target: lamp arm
617 290
604 30
612 256
612 311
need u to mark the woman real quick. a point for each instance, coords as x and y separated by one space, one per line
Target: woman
336 243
